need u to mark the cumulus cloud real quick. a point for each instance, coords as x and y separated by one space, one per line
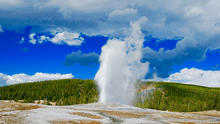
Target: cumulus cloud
69 38
32 39
186 49
197 22
23 78
82 59
10 3
86 6
22 40
197 77
128 14
60 37
1 30
43 38
166 19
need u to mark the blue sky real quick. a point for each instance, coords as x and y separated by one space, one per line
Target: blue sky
45 39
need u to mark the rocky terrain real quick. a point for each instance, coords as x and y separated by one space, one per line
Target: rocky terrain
98 113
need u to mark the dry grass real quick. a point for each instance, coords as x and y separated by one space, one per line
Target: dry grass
167 115
27 107
194 122
121 114
206 113
11 119
143 114
183 116
88 115
183 122
136 114
75 122
6 106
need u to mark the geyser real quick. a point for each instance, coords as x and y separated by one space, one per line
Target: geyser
120 66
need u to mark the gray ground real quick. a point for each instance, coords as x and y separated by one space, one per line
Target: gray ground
96 113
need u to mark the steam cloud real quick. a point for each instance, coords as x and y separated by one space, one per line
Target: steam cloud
120 66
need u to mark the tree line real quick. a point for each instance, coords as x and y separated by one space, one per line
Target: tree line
63 92
180 97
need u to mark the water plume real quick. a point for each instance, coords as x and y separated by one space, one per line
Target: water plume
120 66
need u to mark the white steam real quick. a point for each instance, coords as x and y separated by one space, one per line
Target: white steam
120 66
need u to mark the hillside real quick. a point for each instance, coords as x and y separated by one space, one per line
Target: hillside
63 92
153 95
177 97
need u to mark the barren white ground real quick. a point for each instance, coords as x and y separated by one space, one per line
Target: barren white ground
109 113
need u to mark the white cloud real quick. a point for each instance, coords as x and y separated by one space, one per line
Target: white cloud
186 49
167 19
60 37
69 38
22 40
197 77
1 30
10 3
56 31
128 14
197 22
193 11
43 38
85 5
32 39
23 78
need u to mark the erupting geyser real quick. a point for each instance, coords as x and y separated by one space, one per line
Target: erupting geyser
120 66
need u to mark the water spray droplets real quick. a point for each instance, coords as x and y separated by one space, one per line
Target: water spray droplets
120 66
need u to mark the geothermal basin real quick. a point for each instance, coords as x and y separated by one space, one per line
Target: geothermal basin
98 113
